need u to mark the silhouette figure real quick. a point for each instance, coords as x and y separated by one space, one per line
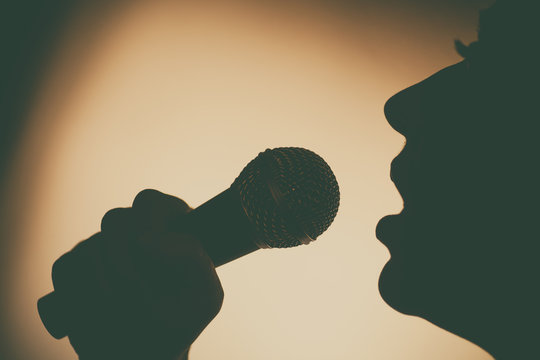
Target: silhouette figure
464 248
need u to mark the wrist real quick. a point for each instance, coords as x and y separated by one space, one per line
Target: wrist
184 355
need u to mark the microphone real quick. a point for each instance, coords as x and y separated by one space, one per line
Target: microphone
285 197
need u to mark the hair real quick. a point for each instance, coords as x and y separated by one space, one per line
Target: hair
507 31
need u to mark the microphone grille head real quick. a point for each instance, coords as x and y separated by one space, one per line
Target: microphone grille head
289 194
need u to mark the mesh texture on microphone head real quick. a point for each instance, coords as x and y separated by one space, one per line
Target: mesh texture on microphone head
289 194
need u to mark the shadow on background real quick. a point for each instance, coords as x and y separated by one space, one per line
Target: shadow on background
31 33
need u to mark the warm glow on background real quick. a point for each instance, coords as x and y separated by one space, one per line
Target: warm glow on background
179 97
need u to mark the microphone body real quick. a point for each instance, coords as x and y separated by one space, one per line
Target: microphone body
221 225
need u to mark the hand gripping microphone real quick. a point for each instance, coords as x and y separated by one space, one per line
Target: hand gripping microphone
284 197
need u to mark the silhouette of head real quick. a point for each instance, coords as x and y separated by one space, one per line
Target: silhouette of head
464 250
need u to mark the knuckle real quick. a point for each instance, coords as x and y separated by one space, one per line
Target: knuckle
146 197
177 205
219 297
113 218
152 201
212 299
62 270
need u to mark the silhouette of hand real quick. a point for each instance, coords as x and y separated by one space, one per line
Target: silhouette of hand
138 290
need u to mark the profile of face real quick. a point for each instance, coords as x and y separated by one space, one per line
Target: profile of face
464 248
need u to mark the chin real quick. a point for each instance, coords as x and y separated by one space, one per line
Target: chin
395 292
409 297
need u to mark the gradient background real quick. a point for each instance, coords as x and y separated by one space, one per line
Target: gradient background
179 96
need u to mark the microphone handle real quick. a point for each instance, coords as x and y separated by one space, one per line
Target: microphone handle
220 224
223 228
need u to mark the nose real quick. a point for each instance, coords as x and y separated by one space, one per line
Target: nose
395 112
410 109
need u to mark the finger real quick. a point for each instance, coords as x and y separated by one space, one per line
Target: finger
156 210
179 284
118 220
177 263
150 200
72 269
77 279
64 272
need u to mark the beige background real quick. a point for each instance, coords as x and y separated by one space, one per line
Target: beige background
179 96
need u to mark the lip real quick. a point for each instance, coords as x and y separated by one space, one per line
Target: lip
388 230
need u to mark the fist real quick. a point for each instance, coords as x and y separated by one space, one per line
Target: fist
138 289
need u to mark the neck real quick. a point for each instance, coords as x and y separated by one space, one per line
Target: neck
503 339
